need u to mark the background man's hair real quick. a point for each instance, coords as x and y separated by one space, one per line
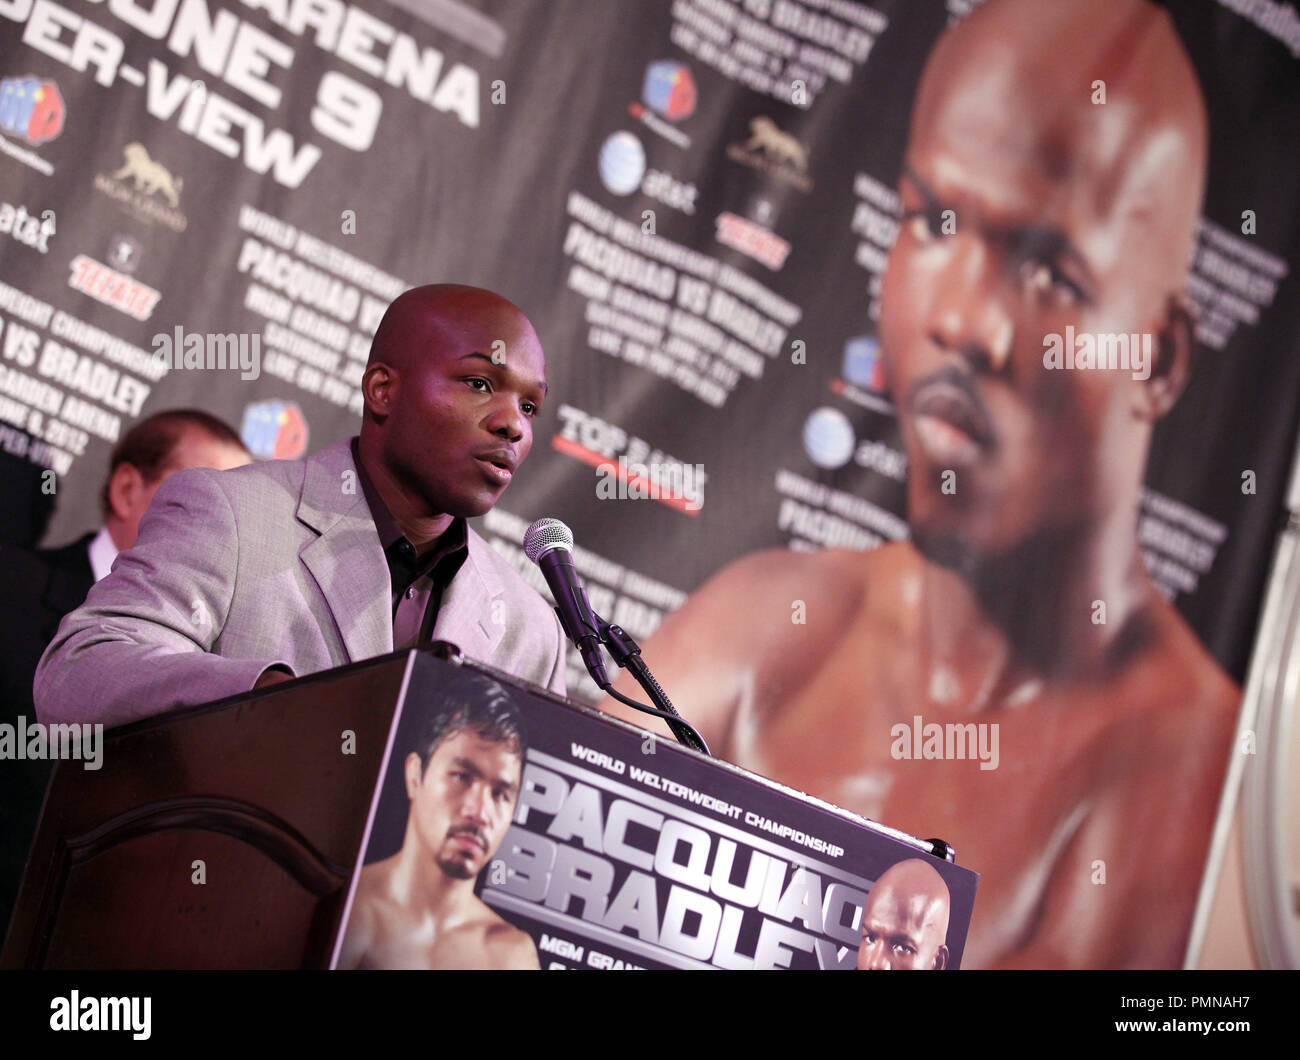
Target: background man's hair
148 445
480 705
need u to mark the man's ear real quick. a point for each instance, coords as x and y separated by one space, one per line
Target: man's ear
414 774
941 959
378 385
1173 354
124 487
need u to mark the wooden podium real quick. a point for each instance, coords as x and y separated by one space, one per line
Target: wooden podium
253 795
231 835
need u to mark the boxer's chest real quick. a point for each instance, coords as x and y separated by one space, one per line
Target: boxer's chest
1008 787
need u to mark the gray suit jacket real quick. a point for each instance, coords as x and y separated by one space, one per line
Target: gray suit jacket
277 562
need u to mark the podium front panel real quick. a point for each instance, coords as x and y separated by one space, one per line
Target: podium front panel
625 850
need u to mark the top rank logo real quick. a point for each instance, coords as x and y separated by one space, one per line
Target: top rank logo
150 181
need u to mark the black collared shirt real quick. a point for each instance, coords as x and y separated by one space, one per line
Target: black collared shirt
418 584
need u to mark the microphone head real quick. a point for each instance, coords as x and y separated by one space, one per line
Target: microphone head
544 535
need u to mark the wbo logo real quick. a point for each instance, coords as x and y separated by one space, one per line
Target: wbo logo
669 90
862 379
31 107
863 366
274 430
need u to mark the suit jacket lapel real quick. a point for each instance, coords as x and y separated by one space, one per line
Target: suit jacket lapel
473 612
346 560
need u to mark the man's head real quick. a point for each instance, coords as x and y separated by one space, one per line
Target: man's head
155 448
905 920
1066 211
455 377
463 778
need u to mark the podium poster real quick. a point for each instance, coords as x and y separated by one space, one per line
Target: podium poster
512 830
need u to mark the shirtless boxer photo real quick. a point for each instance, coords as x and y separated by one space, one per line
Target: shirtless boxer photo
1021 599
417 909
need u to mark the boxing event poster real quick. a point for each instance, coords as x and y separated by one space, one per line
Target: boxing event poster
612 849
210 202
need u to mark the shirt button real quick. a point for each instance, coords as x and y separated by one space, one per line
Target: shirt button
410 593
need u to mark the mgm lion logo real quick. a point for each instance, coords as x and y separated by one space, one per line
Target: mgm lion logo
773 152
149 176
780 147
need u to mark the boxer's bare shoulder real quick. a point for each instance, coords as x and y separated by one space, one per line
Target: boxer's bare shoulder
366 922
505 946
764 622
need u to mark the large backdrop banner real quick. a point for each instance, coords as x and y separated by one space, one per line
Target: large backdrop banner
923 289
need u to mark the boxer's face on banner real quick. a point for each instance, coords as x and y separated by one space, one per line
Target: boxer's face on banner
903 931
462 419
461 804
1027 209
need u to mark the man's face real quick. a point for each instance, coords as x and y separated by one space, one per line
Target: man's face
901 932
462 803
1051 226
463 409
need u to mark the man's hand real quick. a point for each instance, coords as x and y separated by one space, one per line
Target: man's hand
273 676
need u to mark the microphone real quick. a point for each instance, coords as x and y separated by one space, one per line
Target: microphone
549 544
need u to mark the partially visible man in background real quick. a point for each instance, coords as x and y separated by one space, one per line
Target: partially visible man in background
44 585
